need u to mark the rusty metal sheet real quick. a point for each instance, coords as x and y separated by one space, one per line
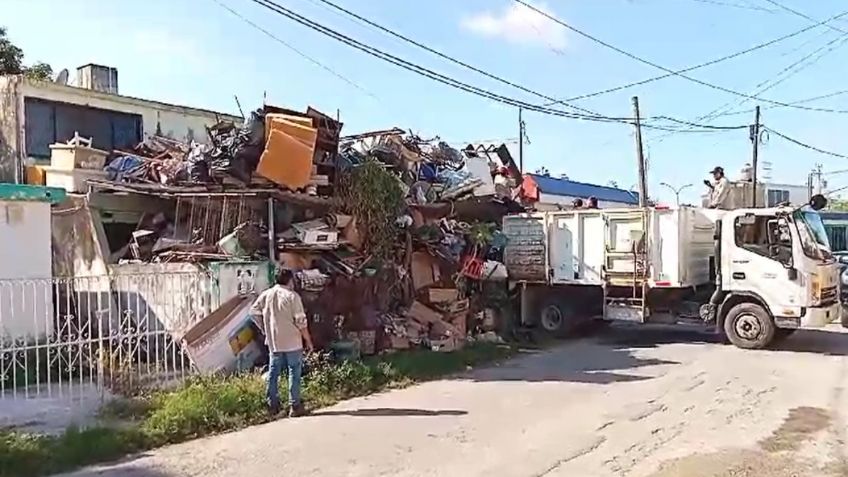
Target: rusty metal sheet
525 252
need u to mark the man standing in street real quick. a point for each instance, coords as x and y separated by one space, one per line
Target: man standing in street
719 190
279 313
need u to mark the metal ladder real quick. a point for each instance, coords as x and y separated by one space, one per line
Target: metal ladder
633 307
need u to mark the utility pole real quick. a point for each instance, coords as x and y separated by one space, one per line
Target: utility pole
520 140
640 155
755 138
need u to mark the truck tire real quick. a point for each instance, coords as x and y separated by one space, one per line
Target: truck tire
749 326
557 317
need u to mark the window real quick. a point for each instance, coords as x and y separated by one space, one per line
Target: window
762 235
776 197
48 122
837 236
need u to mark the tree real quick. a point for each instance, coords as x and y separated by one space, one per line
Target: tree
40 71
12 61
837 205
11 57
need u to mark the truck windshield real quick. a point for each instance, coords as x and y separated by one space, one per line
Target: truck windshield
813 234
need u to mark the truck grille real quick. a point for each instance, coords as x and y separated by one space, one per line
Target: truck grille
829 295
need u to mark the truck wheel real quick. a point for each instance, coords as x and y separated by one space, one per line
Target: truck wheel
749 326
556 318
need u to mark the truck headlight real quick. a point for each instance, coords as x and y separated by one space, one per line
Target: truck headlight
845 277
815 287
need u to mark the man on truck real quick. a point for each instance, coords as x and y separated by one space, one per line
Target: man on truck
719 190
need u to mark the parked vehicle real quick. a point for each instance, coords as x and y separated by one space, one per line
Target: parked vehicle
755 274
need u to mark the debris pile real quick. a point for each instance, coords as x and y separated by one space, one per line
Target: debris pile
394 239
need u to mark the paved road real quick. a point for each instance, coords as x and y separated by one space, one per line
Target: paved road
630 402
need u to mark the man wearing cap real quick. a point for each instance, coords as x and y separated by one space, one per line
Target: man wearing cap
719 190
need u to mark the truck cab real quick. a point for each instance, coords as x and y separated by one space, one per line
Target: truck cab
776 274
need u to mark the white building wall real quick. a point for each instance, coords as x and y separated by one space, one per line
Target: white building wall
548 202
26 291
177 122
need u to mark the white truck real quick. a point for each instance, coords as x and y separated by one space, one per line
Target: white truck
755 274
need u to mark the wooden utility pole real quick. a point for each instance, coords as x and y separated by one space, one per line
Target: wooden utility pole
640 155
755 138
520 140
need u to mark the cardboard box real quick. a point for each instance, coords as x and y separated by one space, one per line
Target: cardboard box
443 295
422 314
224 341
316 232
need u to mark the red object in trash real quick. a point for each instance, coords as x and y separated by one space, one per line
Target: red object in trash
473 268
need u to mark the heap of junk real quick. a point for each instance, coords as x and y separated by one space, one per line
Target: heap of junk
394 239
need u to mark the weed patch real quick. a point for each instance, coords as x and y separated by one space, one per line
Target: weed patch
209 405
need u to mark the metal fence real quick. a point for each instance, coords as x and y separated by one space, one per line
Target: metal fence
115 334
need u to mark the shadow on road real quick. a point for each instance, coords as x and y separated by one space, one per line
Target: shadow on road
610 358
391 412
830 343
129 470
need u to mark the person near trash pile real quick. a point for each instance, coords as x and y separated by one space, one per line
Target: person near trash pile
577 203
593 203
719 190
279 313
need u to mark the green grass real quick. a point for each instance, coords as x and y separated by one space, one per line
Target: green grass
210 405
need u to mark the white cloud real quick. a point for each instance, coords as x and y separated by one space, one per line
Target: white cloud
518 24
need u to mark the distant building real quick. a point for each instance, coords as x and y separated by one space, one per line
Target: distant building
836 225
35 114
549 193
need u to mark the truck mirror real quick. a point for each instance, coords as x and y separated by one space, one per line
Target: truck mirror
818 202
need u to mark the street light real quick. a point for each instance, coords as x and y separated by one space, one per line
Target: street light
676 191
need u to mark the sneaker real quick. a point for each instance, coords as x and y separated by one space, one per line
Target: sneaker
273 410
297 411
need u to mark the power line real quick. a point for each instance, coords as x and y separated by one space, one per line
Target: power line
802 15
443 78
667 70
800 101
296 50
450 58
805 145
422 70
702 65
737 5
793 69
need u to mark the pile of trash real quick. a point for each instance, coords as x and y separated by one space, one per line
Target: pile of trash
274 145
432 170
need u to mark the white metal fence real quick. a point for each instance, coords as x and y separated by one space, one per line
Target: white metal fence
111 333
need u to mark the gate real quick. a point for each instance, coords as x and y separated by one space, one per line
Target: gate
107 334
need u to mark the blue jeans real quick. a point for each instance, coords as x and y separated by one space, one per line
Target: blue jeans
293 362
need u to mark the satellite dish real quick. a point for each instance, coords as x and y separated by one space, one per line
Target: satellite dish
62 77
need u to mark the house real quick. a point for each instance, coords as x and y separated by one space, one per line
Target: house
35 114
544 192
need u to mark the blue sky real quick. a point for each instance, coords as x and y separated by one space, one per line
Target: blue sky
196 53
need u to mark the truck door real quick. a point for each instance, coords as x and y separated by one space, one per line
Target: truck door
561 244
757 259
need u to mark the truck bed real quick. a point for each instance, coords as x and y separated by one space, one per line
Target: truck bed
593 247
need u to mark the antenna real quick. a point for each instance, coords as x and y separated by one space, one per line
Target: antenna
62 77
